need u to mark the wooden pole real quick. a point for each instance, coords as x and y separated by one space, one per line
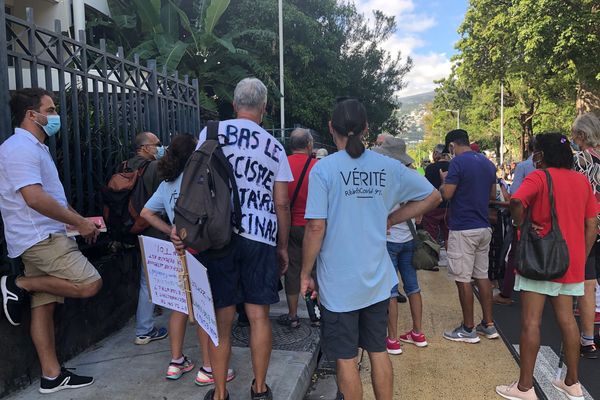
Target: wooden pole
186 285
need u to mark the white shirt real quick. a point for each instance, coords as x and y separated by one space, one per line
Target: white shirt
400 233
25 161
258 161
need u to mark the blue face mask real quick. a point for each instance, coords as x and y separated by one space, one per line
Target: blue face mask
160 152
52 127
575 146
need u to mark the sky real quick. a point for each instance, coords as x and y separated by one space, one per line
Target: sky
426 32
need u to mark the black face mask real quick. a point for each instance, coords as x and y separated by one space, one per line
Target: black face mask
537 162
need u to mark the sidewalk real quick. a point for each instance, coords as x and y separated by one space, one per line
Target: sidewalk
444 369
125 371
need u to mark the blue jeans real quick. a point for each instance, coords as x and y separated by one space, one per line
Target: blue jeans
144 317
402 256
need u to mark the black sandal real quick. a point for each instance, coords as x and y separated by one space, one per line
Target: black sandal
211 395
286 320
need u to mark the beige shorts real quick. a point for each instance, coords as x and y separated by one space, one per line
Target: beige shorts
468 254
60 257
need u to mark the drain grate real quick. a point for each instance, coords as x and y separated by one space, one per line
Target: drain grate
304 338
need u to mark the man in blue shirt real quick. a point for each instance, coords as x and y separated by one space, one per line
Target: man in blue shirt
523 169
350 196
469 185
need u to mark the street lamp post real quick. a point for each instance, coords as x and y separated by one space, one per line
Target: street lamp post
281 83
457 117
502 123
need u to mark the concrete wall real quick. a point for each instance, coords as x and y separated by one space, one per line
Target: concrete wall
79 323
46 11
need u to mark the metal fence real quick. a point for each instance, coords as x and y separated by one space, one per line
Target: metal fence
104 100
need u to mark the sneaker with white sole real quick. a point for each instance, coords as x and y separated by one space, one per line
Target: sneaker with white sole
154 334
512 392
487 330
573 392
204 378
460 334
12 299
176 370
418 339
393 346
66 380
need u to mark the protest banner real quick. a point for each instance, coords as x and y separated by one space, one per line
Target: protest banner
203 306
165 275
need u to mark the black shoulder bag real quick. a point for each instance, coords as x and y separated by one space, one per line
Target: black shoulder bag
542 258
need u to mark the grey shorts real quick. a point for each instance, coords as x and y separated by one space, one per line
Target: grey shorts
592 265
344 332
292 276
468 256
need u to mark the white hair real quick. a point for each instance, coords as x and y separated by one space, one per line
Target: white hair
250 93
588 127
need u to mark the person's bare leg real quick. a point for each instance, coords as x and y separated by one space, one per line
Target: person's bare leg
348 379
416 311
58 287
587 308
465 295
485 299
292 301
393 319
177 325
219 356
532 307
42 335
203 338
382 375
563 310
261 340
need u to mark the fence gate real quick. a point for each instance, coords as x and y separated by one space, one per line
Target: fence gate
104 100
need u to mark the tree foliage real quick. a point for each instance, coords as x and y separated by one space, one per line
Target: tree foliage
544 51
330 50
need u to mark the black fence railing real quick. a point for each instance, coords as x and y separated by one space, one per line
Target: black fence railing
104 100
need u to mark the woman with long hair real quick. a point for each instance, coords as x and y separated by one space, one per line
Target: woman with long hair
170 168
586 136
576 211
350 196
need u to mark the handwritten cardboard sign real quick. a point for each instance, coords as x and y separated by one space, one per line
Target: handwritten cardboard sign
163 269
202 300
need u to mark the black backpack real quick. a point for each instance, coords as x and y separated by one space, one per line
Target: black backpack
203 212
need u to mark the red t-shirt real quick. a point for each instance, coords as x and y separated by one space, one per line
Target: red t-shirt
575 202
297 162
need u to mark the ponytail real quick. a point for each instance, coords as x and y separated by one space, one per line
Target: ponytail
355 147
349 118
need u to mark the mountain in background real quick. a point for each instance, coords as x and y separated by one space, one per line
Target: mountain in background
412 110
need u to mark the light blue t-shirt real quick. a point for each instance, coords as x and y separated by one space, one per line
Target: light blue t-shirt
165 197
355 196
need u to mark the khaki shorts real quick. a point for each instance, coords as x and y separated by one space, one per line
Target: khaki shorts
468 254
60 257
